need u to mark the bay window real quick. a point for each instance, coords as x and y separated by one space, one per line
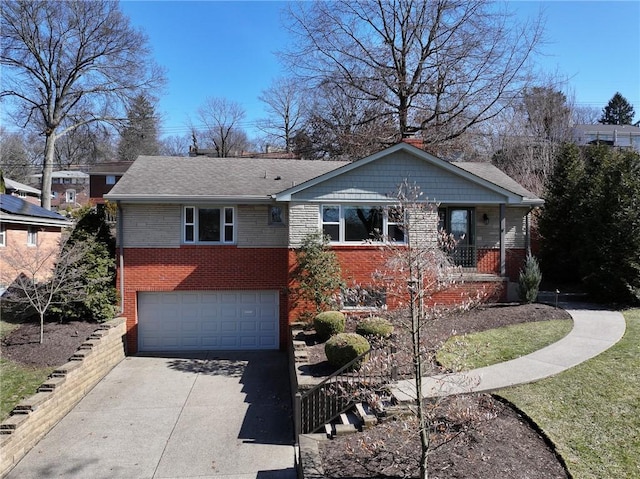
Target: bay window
209 224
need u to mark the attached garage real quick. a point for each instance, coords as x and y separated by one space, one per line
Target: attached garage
208 320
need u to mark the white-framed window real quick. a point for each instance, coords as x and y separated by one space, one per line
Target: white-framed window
32 236
359 223
209 224
110 180
3 236
363 298
70 196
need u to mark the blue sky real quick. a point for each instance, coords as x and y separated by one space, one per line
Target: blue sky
227 49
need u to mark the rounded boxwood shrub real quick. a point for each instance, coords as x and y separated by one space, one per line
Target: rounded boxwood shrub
328 323
375 326
343 348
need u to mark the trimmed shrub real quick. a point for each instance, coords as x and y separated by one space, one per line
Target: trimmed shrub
343 348
375 326
328 323
529 280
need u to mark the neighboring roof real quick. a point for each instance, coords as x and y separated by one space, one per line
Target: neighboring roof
599 128
110 168
17 210
166 178
17 186
64 174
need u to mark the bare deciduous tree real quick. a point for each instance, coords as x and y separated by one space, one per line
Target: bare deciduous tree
68 64
436 67
43 276
221 119
286 109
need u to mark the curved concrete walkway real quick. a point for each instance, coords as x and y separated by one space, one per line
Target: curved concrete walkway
594 331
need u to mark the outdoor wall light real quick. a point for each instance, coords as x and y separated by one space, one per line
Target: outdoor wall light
485 219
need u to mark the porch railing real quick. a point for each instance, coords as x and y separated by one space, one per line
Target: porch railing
465 256
343 389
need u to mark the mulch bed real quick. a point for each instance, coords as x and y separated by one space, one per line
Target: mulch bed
61 340
499 443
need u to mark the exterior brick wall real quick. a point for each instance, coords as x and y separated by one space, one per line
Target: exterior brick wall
33 417
202 268
16 247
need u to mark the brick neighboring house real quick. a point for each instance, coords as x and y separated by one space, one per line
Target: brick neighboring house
24 229
70 188
103 177
206 245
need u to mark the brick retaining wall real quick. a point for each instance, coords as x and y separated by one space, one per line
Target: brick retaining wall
33 417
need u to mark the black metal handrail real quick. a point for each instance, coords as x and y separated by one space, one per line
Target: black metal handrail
343 389
465 256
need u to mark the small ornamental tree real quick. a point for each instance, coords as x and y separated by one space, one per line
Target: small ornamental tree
529 280
36 287
317 275
416 271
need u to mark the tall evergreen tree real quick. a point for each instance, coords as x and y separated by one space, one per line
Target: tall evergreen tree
617 112
140 135
560 223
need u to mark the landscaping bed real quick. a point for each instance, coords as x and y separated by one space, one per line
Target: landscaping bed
500 444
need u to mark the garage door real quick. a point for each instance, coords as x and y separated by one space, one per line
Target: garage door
207 320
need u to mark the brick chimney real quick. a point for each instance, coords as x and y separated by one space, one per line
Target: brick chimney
414 141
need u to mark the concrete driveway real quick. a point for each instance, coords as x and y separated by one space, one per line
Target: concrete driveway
209 415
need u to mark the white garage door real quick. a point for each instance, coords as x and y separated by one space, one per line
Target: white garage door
207 320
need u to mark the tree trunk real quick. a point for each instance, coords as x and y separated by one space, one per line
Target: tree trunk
47 170
41 327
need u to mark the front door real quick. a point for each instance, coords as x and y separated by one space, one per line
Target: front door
460 224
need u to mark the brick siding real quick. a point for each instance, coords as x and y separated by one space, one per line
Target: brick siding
203 268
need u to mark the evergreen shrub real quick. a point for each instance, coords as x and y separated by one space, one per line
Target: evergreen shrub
343 348
375 326
328 323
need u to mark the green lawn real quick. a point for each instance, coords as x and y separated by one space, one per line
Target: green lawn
592 412
485 348
18 382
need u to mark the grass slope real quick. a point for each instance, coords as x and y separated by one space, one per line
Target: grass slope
592 412
494 346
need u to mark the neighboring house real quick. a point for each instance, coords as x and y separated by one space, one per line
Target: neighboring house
69 188
27 233
103 177
206 245
26 192
623 136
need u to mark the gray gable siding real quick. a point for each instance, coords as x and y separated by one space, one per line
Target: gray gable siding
383 177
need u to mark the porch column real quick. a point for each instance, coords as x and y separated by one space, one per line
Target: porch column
503 247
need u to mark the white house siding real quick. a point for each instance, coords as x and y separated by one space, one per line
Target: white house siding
254 229
384 176
304 219
151 226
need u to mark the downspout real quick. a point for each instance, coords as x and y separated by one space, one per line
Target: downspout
120 256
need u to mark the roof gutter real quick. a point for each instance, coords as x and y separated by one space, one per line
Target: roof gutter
244 199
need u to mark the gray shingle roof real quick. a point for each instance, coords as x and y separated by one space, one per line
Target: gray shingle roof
494 175
164 177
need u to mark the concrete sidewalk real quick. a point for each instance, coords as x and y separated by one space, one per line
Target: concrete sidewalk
594 331
201 415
